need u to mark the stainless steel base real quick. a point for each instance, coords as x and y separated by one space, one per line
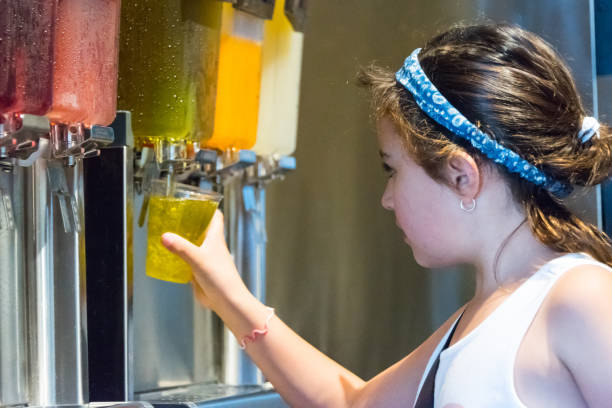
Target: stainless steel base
215 395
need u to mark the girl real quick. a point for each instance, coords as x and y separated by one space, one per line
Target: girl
482 134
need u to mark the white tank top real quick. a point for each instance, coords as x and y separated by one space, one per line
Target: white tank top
478 370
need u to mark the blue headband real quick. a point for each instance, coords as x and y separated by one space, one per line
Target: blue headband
435 105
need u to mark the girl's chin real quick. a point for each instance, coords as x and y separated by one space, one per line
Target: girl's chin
430 262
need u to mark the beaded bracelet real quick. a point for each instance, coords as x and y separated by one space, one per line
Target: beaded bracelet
256 332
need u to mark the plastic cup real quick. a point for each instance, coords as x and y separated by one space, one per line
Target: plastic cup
186 211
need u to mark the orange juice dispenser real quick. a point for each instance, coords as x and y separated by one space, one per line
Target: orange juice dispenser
239 75
242 97
235 130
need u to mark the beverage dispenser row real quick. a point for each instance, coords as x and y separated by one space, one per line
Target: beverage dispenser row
207 92
224 78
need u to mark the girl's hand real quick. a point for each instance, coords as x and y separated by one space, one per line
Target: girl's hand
215 277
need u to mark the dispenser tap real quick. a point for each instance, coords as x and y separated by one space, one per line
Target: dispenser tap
73 142
271 168
147 169
20 135
59 187
234 161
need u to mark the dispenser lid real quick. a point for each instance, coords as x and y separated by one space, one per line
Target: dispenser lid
260 8
295 10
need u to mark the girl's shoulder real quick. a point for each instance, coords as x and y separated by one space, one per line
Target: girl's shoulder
583 289
578 313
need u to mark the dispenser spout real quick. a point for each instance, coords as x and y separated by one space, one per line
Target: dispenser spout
7 221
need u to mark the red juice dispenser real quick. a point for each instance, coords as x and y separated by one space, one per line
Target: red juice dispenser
26 63
85 74
26 56
58 59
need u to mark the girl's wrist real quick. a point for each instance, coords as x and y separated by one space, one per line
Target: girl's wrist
242 313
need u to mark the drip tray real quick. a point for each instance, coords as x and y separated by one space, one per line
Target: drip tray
215 395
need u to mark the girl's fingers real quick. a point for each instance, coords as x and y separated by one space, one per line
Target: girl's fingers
181 247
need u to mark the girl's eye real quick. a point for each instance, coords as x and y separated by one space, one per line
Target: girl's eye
388 170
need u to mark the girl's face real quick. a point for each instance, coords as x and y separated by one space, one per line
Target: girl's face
423 207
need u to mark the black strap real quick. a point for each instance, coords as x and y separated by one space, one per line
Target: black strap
426 396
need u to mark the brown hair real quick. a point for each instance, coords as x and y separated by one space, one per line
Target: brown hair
515 88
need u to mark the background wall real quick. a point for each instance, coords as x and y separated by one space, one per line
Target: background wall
338 270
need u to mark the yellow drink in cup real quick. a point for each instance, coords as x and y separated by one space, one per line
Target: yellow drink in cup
186 211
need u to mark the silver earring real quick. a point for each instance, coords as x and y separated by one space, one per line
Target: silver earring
469 208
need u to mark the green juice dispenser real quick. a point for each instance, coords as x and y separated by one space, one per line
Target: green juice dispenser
168 62
168 72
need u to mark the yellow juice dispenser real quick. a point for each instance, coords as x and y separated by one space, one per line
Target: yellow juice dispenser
280 82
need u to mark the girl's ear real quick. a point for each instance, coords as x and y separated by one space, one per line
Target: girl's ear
463 175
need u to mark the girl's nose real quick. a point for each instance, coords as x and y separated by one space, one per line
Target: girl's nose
387 199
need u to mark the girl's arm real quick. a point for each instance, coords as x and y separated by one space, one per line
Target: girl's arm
301 374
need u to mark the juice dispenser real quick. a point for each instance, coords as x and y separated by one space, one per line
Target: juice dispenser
26 61
280 81
167 80
85 73
168 73
42 330
26 57
239 75
235 130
